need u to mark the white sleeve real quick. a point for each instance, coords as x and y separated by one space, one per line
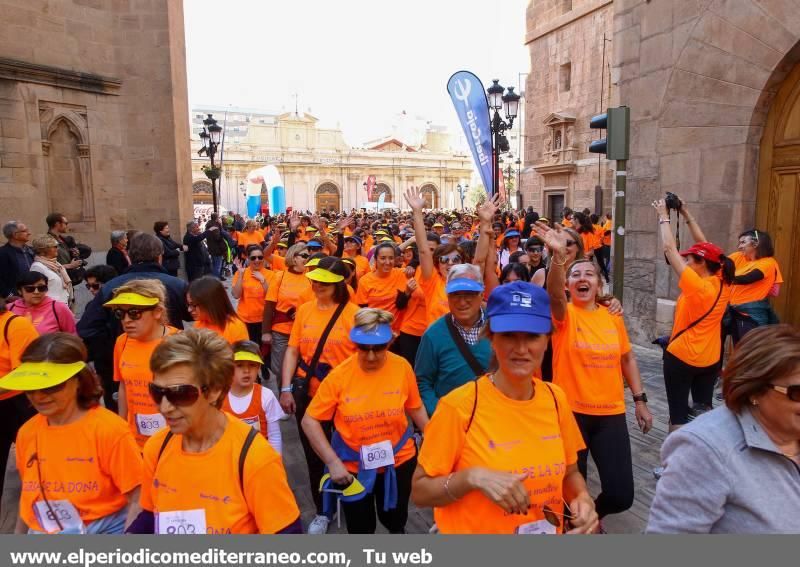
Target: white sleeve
270 405
274 436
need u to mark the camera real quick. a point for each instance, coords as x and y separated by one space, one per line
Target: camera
672 202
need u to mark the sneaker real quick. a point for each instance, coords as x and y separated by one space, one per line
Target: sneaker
318 526
657 472
697 410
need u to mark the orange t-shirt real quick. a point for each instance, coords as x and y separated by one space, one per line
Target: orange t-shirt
608 228
415 318
92 462
235 329
381 292
566 222
245 239
132 368
309 325
587 350
278 263
759 290
210 481
538 436
369 407
700 346
287 290
20 332
362 265
590 242
251 303
435 296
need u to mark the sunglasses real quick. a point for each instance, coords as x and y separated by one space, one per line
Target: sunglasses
181 395
256 258
32 288
134 314
373 348
93 285
571 243
304 256
792 392
54 389
553 517
535 249
450 260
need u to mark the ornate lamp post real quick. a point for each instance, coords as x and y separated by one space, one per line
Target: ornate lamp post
461 192
210 137
509 103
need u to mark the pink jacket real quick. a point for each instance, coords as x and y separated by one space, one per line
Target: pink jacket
50 316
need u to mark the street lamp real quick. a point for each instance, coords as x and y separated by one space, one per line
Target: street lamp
461 191
210 137
509 104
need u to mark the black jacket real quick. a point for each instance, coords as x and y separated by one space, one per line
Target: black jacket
196 255
215 240
11 260
171 259
97 320
116 259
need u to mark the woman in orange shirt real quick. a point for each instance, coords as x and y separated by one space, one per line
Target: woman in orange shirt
251 236
140 307
16 333
211 309
290 288
79 466
250 287
370 397
500 452
692 352
209 473
383 288
331 298
591 352
353 249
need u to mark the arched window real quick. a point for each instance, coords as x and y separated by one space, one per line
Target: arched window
328 198
382 188
201 193
431 196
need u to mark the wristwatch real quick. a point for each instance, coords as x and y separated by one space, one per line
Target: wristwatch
640 397
289 389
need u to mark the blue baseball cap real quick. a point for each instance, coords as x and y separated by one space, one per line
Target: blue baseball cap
510 233
463 284
519 307
380 335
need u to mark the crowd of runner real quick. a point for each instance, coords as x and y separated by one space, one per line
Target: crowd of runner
468 362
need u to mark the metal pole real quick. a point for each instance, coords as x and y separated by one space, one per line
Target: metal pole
619 230
212 151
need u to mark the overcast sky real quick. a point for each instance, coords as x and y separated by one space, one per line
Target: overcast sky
355 63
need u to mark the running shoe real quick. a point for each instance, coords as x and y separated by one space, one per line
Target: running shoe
319 525
657 472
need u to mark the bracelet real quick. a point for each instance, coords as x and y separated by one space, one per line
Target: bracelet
662 221
562 263
286 389
447 488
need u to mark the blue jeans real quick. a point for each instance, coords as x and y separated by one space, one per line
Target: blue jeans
216 266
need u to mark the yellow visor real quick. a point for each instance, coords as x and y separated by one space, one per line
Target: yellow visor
132 299
313 262
39 375
282 245
355 487
245 356
324 276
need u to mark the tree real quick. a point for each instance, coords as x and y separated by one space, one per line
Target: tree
475 196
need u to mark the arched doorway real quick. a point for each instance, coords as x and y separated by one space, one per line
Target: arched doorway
382 188
201 193
431 196
328 198
778 200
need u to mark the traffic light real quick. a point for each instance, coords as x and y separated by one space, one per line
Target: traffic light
616 144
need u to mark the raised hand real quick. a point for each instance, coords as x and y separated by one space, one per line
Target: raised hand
554 238
414 198
344 223
487 209
294 220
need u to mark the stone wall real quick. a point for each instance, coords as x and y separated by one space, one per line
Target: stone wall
93 114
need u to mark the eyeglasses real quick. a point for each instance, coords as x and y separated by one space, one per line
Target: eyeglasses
94 286
373 348
256 258
32 288
134 313
571 243
180 395
302 255
450 260
792 392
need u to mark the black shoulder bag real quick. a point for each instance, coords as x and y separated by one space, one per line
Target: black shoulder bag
665 341
477 368
300 385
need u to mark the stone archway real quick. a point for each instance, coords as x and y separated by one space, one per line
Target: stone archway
328 198
382 188
201 192
431 196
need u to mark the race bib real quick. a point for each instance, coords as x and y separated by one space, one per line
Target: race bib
252 422
59 511
377 455
149 423
541 527
181 522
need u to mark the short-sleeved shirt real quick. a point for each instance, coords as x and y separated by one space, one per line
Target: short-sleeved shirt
381 292
756 291
700 346
288 290
435 296
132 368
16 333
538 437
369 407
310 323
415 318
245 239
235 329
93 462
587 350
209 480
251 303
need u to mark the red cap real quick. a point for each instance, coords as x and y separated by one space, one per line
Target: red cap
705 250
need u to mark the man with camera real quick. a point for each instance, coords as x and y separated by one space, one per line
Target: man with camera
69 254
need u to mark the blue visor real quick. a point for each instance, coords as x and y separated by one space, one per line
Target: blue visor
355 239
313 244
511 233
463 284
380 335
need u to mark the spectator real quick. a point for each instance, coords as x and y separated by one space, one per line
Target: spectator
171 259
58 281
68 255
197 256
101 346
46 314
117 257
97 276
16 256
217 247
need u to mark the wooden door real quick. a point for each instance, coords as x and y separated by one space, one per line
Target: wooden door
327 198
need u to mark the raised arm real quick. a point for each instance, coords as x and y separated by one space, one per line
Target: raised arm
556 242
694 228
485 245
417 202
668 239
